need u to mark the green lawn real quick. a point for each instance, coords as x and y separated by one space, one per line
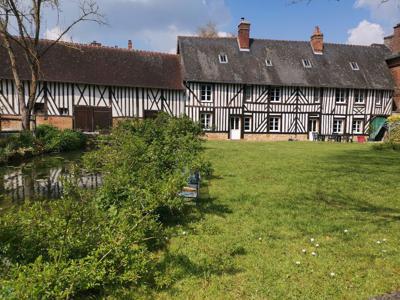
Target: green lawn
265 204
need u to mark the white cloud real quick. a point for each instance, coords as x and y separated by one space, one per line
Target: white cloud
225 34
366 33
150 24
385 11
55 32
165 39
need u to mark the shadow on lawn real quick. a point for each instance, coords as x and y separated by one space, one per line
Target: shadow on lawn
215 262
373 212
366 161
374 166
207 266
196 210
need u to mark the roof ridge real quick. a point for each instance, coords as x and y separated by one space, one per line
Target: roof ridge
287 41
147 52
207 37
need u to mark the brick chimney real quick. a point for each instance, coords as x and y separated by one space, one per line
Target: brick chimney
244 35
395 40
130 45
388 41
317 41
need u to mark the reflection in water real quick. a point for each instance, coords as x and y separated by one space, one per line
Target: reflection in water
41 178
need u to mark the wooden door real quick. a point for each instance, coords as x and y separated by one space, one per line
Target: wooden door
89 118
83 118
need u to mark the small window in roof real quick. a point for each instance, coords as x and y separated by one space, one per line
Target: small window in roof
223 59
307 63
268 62
354 66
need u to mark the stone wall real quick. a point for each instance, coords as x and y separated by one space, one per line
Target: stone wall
13 123
275 137
59 122
258 137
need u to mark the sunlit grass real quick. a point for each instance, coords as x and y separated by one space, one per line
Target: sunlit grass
254 234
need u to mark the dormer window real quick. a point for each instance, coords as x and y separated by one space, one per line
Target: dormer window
354 66
223 58
307 64
268 62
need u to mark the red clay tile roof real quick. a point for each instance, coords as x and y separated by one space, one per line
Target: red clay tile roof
86 64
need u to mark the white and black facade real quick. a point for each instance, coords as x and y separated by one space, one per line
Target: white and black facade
237 88
284 89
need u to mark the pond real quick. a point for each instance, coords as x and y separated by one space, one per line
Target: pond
40 178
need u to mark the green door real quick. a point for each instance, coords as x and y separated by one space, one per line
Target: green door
377 125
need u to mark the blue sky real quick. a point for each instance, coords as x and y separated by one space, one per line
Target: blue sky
279 20
154 24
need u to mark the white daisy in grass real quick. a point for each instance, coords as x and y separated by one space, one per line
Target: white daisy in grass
317 245
314 253
384 240
298 263
378 242
184 233
260 238
312 240
346 231
304 251
332 274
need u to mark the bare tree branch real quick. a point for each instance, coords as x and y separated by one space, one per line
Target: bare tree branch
20 30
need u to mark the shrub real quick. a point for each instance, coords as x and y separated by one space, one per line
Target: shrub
52 139
47 139
387 146
87 245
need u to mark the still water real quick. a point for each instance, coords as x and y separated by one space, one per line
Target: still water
41 178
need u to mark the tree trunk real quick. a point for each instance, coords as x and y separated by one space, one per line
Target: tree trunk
25 119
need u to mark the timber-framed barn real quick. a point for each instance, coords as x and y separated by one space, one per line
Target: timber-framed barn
235 87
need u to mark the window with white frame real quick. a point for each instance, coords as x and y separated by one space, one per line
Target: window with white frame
307 63
318 95
354 66
358 126
338 126
274 124
379 98
223 58
340 96
275 95
206 92
206 120
247 124
268 62
359 96
248 92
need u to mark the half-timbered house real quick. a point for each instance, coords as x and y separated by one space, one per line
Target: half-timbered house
89 86
279 90
236 87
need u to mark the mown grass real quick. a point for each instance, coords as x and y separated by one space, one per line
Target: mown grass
264 204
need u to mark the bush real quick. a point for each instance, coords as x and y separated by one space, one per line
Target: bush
52 139
87 246
387 146
47 139
71 140
69 248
